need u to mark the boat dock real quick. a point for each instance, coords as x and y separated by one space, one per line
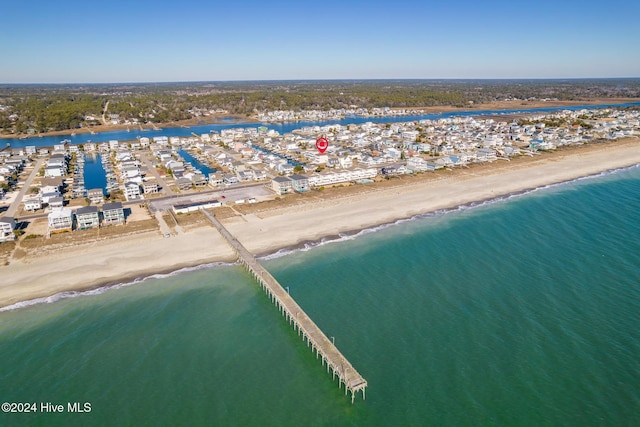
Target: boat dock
324 348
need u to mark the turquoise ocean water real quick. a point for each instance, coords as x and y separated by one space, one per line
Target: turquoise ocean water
521 312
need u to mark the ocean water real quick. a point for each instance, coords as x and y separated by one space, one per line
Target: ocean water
522 312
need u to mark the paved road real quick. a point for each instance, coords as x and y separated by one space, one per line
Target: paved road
149 164
27 184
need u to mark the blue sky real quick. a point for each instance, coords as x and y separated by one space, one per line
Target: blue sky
69 41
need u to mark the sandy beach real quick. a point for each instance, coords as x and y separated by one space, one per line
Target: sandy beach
266 230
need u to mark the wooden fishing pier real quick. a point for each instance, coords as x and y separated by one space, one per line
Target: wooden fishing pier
324 348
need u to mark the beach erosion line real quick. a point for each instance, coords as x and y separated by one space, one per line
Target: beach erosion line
101 289
308 245
293 230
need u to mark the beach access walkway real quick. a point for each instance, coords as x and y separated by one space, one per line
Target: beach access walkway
295 315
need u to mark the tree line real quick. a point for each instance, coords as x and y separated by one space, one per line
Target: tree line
64 107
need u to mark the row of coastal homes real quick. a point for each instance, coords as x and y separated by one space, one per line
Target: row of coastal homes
300 183
290 184
84 218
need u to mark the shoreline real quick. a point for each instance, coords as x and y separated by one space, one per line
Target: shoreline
218 119
241 119
314 221
282 229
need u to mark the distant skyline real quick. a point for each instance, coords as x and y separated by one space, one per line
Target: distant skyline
161 41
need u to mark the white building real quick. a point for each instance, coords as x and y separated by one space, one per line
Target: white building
60 219
54 171
132 190
32 204
7 225
340 177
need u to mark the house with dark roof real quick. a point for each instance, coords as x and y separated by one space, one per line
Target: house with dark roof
282 185
87 217
112 213
300 183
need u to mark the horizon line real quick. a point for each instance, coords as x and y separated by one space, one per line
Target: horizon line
316 80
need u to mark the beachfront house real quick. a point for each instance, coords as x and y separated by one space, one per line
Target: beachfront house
60 219
417 164
112 213
390 170
486 155
356 175
87 217
282 185
7 225
300 183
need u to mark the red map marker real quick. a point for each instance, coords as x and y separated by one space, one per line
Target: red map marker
322 144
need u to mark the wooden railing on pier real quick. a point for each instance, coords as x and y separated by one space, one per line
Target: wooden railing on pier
324 348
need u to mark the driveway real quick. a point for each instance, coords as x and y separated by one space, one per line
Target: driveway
25 187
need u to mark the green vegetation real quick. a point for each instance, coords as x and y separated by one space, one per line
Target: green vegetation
557 122
42 108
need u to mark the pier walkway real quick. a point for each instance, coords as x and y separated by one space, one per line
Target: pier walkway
324 348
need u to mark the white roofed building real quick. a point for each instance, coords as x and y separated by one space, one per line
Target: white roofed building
60 219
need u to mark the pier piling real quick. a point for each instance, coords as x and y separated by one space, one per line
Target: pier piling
316 339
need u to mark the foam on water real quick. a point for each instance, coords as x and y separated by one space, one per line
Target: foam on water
518 314
343 237
102 289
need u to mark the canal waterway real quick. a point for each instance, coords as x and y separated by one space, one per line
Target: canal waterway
206 170
124 135
95 177
94 173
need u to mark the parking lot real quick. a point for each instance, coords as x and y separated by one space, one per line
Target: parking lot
226 196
